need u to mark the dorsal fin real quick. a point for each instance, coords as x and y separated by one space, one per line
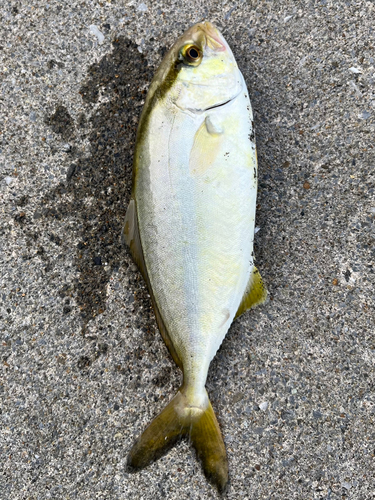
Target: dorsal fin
255 293
130 237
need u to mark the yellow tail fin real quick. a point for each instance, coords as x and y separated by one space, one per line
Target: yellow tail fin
180 419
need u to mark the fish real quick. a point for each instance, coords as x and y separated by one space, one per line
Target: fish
189 226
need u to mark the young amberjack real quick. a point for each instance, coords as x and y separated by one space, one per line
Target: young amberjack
190 228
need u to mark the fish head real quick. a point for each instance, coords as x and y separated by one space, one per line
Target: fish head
199 72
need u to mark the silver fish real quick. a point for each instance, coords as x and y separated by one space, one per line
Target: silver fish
190 228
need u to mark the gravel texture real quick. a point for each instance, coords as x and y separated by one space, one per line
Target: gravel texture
84 368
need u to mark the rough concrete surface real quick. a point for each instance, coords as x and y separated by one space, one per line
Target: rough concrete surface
83 366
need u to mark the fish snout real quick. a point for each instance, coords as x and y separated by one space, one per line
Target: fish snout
214 39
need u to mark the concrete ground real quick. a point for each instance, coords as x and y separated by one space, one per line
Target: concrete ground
83 367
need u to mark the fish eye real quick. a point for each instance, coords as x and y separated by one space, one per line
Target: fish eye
192 55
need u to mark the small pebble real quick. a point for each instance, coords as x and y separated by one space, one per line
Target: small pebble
95 31
142 7
364 115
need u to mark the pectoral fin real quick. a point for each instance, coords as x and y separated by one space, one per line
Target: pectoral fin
255 293
130 237
206 147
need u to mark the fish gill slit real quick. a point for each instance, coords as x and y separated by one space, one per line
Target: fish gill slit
219 105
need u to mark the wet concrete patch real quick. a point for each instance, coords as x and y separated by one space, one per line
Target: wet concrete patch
61 122
97 187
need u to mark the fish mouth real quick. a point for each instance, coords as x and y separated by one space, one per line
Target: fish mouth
213 38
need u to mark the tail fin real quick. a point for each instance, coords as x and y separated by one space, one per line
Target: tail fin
179 419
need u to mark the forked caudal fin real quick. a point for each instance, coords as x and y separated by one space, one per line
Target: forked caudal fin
179 419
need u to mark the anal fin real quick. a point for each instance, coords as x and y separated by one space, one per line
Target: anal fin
130 236
255 293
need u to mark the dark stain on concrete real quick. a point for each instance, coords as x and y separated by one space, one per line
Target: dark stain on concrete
105 176
61 122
